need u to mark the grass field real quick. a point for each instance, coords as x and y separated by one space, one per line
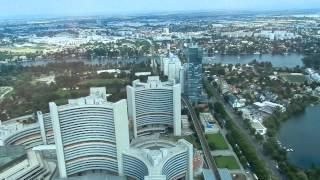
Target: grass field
294 78
216 141
102 82
228 162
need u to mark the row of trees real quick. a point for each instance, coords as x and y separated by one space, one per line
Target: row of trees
239 141
30 96
312 61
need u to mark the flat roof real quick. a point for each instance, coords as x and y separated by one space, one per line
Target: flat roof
10 153
208 174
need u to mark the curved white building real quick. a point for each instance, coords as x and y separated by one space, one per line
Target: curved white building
16 132
154 106
174 162
90 134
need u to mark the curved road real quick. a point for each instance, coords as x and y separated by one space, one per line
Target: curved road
203 142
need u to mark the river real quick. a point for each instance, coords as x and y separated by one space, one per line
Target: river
290 60
302 133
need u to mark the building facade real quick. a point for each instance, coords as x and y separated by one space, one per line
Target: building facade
193 87
154 106
171 66
90 134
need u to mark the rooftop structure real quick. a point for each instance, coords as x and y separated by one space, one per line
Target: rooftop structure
269 107
160 164
208 122
234 101
224 174
259 127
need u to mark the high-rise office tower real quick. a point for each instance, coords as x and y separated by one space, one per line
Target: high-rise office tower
171 67
154 106
90 134
193 75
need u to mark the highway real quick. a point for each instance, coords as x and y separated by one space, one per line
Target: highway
203 142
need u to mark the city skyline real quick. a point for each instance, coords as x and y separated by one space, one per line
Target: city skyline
14 9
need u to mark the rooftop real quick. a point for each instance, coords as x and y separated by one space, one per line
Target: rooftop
154 159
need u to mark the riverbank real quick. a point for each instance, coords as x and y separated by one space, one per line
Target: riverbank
276 150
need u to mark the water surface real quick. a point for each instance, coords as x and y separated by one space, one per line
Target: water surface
302 133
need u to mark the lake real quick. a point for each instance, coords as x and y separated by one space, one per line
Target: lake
290 60
302 133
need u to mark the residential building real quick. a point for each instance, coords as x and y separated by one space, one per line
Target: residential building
234 101
269 107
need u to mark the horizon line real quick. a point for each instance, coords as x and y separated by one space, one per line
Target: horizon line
152 12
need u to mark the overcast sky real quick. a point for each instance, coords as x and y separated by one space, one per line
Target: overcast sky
14 8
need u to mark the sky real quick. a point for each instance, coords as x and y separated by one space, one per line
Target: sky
18 8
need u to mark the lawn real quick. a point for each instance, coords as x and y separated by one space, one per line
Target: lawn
228 162
294 78
216 141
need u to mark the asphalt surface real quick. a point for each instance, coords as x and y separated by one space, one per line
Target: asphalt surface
203 142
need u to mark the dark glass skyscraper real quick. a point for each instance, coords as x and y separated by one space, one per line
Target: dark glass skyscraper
193 75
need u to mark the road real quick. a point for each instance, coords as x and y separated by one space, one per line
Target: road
9 89
203 142
237 120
